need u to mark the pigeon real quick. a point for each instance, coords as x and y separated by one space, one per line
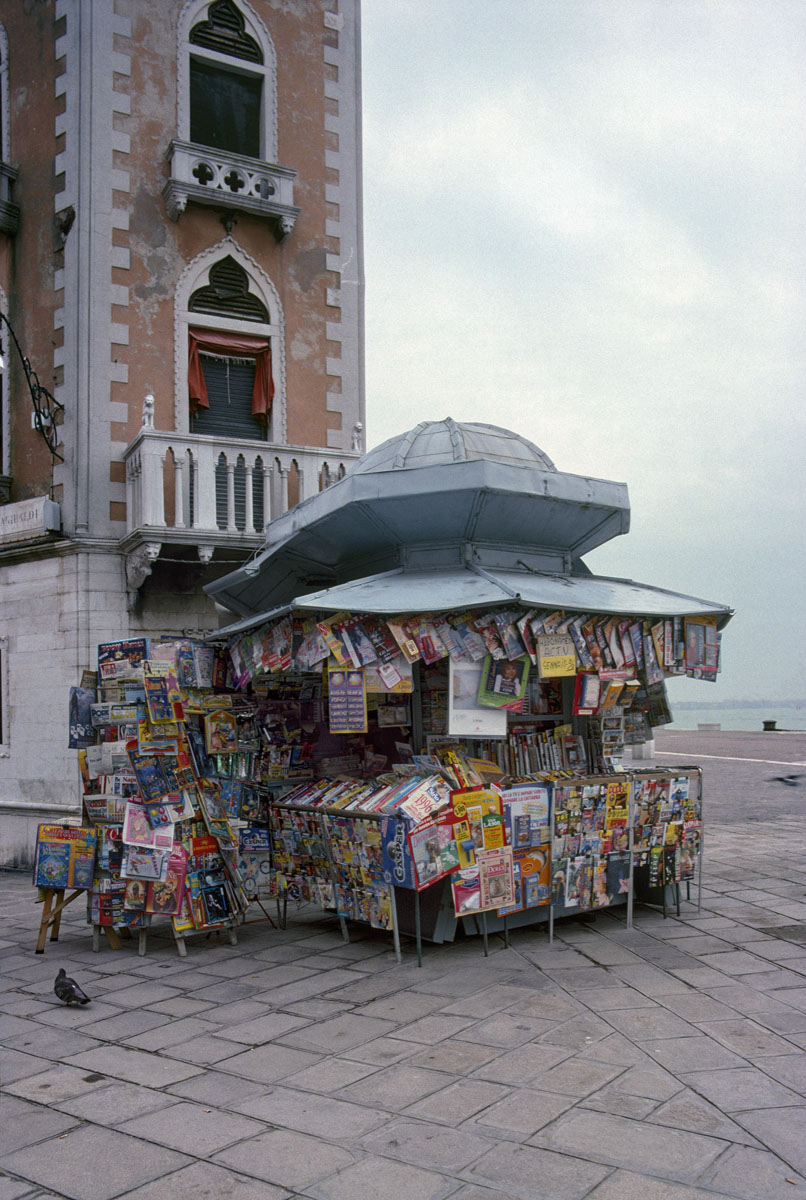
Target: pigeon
789 780
68 990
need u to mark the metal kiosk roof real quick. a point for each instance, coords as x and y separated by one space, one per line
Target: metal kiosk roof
447 516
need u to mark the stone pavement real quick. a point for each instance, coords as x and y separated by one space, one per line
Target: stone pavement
666 1062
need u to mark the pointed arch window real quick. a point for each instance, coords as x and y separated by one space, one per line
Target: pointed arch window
229 100
230 378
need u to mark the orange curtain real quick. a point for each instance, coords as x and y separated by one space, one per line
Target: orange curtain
231 345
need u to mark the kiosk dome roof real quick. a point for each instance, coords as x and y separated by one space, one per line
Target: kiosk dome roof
433 443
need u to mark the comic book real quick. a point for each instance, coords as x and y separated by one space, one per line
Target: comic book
64 856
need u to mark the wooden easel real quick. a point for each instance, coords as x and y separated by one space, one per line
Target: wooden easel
52 916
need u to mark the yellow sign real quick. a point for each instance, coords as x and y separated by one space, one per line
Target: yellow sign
556 655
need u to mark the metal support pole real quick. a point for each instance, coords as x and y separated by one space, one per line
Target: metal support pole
417 929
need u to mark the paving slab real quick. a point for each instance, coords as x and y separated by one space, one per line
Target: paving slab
134 1066
382 1051
375 1177
121 1025
520 1114
610 1100
608 999
689 1053
308 1112
25 1124
535 1174
115 1103
266 1064
747 1038
457 1102
217 1089
206 1181
575 1077
687 1110
260 1029
640 1024
401 1007
56 1084
506 1029
14 1064
781 1130
339 1034
91 1163
329 1075
458 1058
286 1158
396 1087
750 1174
632 1145
789 1069
627 1185
192 1128
522 1065
420 1143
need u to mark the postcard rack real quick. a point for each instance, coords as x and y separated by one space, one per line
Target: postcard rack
314 855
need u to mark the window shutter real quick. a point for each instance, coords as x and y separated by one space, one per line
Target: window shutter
229 390
224 109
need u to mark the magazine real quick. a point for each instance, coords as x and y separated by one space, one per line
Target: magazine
503 682
496 881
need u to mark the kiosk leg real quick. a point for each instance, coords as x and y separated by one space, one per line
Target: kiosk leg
181 945
506 933
417 929
395 930
484 934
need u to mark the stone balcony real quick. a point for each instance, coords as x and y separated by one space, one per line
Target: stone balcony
222 180
213 493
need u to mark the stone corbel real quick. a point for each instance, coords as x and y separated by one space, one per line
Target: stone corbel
205 554
139 564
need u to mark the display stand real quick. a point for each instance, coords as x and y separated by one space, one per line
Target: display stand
180 936
52 917
666 894
277 809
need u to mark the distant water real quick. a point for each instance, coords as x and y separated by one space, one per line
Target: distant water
785 717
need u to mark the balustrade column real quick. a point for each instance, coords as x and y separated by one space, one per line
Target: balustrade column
179 491
231 526
283 489
268 508
249 513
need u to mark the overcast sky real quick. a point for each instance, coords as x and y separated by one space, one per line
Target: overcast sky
584 221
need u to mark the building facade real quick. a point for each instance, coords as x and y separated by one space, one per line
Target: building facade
181 263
